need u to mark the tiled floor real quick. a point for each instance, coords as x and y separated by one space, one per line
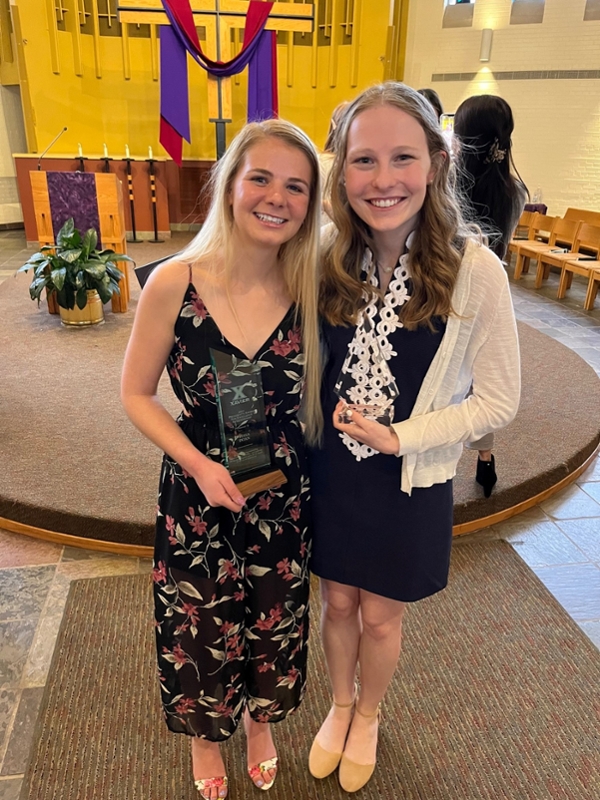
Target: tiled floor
560 540
13 252
34 582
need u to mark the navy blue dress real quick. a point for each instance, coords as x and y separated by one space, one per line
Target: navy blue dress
367 532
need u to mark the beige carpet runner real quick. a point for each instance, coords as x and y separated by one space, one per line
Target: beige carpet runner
496 696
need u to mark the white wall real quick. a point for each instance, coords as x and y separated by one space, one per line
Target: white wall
12 140
557 121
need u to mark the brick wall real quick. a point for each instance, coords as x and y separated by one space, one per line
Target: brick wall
557 115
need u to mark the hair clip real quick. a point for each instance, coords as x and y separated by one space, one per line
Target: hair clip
495 154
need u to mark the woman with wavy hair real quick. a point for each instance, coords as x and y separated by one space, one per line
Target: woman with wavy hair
403 277
231 575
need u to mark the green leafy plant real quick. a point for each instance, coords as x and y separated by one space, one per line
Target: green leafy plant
73 266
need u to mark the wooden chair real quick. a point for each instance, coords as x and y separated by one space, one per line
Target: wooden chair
523 229
587 269
562 238
583 215
522 233
540 233
593 286
587 242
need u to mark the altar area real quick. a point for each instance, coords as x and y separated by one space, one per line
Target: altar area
76 471
178 190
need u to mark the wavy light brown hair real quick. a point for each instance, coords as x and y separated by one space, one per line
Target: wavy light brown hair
298 257
439 238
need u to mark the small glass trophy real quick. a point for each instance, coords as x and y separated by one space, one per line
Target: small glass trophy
365 383
245 443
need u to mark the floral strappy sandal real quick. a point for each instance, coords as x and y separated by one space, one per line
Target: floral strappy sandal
204 786
257 771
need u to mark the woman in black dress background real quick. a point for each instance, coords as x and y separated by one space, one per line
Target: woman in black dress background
495 195
400 265
487 176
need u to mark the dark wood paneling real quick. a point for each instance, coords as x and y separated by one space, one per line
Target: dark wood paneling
188 199
171 208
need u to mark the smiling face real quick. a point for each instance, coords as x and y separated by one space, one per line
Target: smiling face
270 194
387 171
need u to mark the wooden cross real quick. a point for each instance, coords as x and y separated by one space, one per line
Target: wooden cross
219 18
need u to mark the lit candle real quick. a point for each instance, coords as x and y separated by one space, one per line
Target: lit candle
126 151
79 150
149 152
105 150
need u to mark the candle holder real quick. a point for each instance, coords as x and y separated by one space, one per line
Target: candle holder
152 178
81 158
128 160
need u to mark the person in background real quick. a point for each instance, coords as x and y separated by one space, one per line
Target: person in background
231 577
495 195
336 115
400 270
327 155
434 99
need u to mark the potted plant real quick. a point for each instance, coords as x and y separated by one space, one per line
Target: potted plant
82 277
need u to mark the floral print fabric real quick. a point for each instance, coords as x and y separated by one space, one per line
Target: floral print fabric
231 589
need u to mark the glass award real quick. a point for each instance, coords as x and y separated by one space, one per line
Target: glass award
245 442
365 383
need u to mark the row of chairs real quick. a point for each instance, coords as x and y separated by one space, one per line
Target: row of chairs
570 243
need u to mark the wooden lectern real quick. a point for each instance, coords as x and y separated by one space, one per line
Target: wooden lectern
107 208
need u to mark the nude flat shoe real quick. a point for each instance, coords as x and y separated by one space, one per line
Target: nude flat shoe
354 776
321 762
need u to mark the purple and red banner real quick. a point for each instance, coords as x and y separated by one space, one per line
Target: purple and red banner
259 52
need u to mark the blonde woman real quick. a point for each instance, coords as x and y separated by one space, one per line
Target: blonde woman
399 266
231 572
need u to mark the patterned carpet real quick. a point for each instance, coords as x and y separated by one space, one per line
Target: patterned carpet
496 697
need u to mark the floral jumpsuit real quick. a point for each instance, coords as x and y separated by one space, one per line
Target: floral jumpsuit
231 589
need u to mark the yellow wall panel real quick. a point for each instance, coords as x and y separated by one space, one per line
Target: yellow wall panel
9 70
121 111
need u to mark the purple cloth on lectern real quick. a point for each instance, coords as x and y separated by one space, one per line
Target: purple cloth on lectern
73 194
260 80
174 103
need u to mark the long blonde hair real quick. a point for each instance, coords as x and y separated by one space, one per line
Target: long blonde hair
298 256
439 239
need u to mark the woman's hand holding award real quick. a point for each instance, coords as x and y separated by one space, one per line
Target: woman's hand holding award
246 446
365 383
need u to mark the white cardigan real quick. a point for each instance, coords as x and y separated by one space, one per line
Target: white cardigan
479 352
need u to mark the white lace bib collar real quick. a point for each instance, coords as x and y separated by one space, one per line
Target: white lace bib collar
396 295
